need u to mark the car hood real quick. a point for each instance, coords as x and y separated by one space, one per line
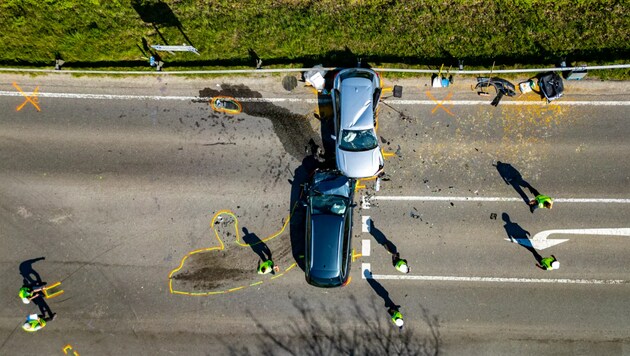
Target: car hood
361 164
331 183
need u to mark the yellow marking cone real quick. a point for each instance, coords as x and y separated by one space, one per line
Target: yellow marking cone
50 292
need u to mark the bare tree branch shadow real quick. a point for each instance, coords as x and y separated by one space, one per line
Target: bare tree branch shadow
325 331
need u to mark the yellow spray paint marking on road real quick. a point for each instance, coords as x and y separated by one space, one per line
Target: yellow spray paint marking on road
388 154
361 183
67 348
221 247
226 104
440 104
29 98
532 124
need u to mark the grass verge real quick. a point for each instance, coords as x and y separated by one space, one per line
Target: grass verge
115 33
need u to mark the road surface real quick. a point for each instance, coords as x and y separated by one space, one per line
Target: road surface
116 181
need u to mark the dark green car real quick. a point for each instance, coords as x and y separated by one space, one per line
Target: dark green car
329 207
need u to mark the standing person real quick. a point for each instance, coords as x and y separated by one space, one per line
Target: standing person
541 201
396 316
266 267
549 263
400 264
27 293
33 323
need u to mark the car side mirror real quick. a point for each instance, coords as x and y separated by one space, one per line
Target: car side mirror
353 205
333 137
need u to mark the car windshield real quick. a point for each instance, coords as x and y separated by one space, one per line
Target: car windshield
328 204
361 140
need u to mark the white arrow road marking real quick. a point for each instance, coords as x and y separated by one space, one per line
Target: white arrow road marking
537 244
540 241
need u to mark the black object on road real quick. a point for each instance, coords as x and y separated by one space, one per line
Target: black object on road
551 85
502 86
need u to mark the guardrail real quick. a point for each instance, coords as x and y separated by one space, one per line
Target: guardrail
289 70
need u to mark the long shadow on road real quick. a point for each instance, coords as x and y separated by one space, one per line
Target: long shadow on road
324 330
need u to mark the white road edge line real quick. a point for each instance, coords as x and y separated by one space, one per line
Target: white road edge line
493 199
313 101
498 279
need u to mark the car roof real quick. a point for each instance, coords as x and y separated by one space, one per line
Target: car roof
357 94
326 240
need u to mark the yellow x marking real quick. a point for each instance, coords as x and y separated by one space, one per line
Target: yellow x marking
440 104
29 98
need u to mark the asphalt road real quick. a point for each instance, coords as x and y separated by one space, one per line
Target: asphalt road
114 191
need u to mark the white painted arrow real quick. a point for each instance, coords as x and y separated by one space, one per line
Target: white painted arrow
540 241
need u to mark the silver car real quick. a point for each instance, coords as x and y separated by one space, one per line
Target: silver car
356 94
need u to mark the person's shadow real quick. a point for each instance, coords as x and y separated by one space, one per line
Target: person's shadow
511 176
382 239
30 277
257 245
515 232
380 291
44 309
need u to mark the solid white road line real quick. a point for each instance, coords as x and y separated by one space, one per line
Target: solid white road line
365 247
497 279
493 199
313 100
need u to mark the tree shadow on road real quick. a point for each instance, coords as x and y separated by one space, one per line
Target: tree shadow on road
325 330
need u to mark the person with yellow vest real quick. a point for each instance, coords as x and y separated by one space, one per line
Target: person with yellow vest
33 323
27 293
541 201
549 263
400 264
396 316
266 267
